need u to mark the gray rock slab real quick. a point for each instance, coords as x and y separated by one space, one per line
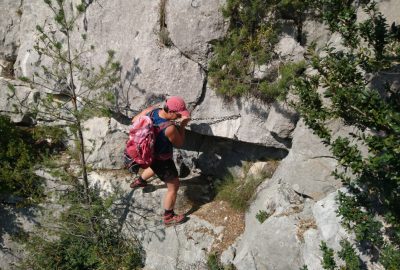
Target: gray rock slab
309 165
246 119
22 95
192 25
272 246
9 29
150 70
105 140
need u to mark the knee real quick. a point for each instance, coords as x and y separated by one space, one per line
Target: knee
174 184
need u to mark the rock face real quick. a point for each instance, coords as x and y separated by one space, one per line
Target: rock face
151 70
300 204
288 198
161 58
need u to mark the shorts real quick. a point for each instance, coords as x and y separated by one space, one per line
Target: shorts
164 169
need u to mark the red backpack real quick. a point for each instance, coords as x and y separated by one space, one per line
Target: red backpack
142 138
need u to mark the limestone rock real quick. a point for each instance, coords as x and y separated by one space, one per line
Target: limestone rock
105 141
9 31
258 169
22 95
309 165
192 25
246 119
289 49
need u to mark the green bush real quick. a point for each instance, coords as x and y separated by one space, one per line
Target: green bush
328 260
18 157
262 216
213 263
85 238
278 89
370 208
252 35
349 256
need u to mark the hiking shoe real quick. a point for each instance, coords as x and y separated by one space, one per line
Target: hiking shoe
138 183
173 219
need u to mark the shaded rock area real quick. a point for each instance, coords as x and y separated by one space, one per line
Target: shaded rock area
214 156
22 95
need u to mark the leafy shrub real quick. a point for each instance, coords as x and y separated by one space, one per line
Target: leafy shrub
278 89
262 215
371 208
349 256
253 33
86 238
328 260
17 160
213 263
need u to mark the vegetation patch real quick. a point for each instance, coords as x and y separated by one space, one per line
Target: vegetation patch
214 263
19 158
83 238
237 191
253 33
370 208
262 216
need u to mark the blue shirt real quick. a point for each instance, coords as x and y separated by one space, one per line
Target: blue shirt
163 145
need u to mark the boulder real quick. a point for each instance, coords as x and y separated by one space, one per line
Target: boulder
309 165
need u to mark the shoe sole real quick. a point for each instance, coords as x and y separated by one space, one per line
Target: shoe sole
175 223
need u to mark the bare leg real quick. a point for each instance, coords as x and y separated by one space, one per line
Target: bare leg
141 181
147 173
172 191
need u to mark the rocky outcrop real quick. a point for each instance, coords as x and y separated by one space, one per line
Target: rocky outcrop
193 25
21 95
300 204
152 70
11 13
299 199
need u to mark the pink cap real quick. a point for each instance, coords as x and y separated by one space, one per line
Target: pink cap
177 104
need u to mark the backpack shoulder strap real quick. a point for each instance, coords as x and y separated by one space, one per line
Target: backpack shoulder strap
161 126
151 113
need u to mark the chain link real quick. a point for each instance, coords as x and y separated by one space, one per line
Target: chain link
215 120
205 120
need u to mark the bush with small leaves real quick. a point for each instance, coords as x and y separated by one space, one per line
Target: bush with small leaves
250 42
371 207
262 216
18 159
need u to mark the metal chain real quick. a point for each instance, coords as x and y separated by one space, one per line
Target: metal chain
215 120
207 120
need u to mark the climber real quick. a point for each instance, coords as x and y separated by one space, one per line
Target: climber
163 166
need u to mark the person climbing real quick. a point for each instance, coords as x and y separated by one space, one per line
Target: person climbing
163 166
